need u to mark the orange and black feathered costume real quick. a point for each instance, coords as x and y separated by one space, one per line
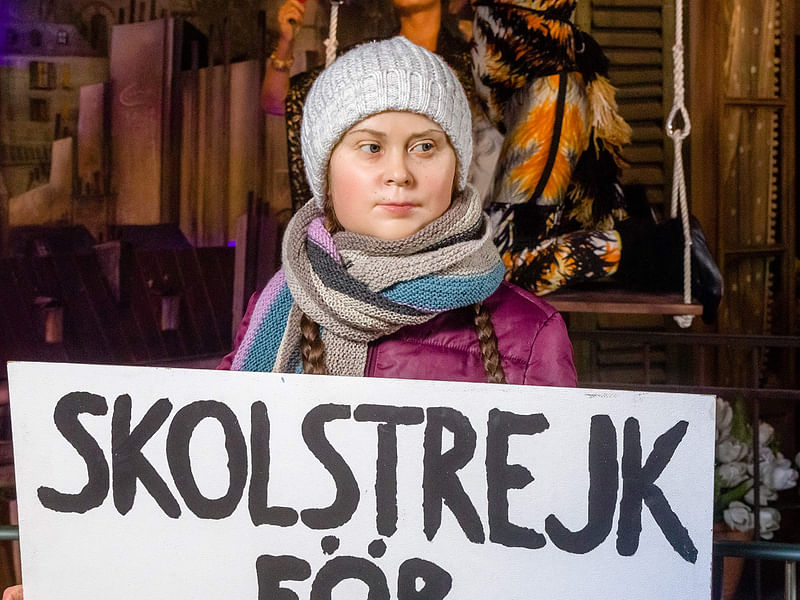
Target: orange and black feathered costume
556 196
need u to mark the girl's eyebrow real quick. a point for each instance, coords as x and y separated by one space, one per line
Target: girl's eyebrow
373 132
430 131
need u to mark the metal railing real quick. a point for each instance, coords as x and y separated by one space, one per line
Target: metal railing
788 553
9 533
756 344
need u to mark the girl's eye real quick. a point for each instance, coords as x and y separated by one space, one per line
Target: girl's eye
371 148
424 147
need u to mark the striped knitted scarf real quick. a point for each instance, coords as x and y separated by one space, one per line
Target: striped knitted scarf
359 288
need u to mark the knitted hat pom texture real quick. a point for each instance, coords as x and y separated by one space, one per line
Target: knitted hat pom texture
391 75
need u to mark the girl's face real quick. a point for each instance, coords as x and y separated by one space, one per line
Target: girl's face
391 174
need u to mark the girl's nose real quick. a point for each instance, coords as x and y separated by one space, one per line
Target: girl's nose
397 172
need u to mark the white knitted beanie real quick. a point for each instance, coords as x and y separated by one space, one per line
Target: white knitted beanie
394 74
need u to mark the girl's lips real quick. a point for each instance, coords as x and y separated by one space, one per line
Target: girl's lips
398 207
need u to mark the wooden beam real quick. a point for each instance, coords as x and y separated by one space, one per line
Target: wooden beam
641 111
644 153
629 19
643 176
609 39
634 56
619 301
645 132
639 92
638 76
627 3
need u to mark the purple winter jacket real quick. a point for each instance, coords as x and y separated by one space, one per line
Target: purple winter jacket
531 335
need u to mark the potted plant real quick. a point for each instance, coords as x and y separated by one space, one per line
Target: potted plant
734 494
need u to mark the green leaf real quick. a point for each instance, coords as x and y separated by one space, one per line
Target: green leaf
732 494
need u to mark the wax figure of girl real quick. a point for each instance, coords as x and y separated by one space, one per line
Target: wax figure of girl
389 270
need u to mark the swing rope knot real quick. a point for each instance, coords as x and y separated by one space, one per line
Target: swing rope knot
682 131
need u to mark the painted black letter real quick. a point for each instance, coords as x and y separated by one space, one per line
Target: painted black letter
261 513
340 568
603 487
180 464
65 417
271 570
437 581
638 484
389 418
129 464
439 480
501 477
347 495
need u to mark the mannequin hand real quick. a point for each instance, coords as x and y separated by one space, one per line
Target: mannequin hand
13 593
290 16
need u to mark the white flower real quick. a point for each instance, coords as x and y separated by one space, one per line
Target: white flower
778 474
738 516
770 521
765 458
765 433
731 450
732 474
724 418
735 466
766 494
765 454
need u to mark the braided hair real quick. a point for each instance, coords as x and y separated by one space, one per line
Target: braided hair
487 339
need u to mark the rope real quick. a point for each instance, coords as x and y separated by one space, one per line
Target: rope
332 43
678 134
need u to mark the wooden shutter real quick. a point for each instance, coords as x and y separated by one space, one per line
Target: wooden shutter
637 35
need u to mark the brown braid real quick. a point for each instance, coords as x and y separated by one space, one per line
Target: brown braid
330 221
311 347
488 343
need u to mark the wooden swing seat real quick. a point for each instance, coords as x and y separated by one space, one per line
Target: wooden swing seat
609 299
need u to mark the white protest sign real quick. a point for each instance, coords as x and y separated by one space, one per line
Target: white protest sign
170 483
